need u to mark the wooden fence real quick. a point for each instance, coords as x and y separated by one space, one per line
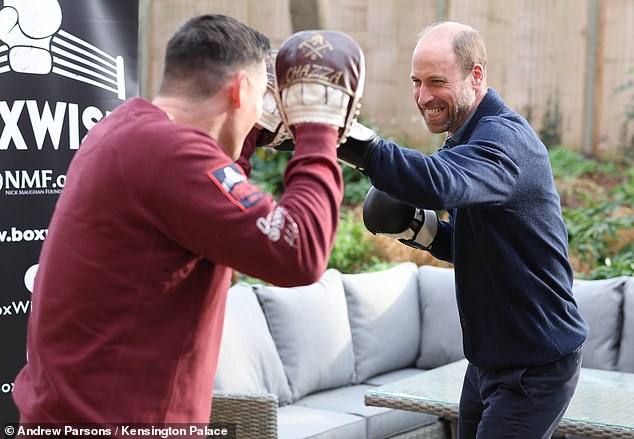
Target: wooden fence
563 64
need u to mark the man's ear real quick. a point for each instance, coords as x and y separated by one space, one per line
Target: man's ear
237 82
478 74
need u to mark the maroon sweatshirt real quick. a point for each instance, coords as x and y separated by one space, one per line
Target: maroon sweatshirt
129 298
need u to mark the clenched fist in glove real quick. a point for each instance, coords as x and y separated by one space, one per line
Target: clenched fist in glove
320 78
358 146
384 215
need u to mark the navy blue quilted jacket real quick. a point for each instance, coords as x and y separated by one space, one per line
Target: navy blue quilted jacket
505 235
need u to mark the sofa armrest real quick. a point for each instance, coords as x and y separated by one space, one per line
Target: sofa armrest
254 415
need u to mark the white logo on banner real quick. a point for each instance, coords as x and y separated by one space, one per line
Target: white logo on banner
29 277
34 43
15 234
21 307
34 182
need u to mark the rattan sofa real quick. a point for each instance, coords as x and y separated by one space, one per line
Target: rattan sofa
296 362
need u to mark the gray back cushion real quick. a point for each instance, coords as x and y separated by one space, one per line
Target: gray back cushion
309 325
625 362
441 335
600 303
248 361
385 319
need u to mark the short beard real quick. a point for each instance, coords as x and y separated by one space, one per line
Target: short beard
464 104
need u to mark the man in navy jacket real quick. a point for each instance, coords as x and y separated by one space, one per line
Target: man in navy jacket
522 330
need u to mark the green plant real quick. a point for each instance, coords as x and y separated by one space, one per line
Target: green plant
353 251
268 167
593 235
588 228
268 173
567 163
355 186
624 192
598 199
622 264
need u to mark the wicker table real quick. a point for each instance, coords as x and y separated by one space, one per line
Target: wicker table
602 407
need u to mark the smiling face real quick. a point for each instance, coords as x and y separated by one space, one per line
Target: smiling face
444 95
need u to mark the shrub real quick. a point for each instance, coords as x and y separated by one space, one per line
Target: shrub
353 252
597 203
268 167
268 173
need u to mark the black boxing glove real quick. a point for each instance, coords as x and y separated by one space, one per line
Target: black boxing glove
357 149
387 216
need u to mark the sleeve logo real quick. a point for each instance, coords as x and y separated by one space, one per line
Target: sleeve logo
232 182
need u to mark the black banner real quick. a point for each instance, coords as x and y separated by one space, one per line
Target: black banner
64 65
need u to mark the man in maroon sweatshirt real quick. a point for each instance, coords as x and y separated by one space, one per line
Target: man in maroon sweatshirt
129 299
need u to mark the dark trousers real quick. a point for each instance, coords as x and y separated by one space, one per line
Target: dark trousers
517 403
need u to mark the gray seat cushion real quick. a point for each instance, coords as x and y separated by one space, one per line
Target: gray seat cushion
441 335
600 304
309 325
248 361
296 422
625 362
381 422
390 377
385 319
